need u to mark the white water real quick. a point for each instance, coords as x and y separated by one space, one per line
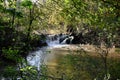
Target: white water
35 58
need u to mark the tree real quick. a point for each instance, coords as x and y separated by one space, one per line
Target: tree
100 16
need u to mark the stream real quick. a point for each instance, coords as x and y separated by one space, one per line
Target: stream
57 47
47 55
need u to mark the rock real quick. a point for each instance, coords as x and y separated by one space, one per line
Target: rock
68 41
62 38
42 43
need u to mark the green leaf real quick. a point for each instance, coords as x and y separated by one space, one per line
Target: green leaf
66 1
27 3
1 8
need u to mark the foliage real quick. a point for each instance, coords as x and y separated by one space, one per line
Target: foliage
85 15
27 3
97 20
10 73
16 26
18 20
10 54
29 72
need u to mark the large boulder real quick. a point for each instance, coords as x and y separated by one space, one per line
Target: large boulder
78 38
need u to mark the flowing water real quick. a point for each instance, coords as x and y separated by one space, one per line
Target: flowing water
56 48
47 55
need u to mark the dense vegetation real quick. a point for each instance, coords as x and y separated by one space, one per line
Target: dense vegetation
89 21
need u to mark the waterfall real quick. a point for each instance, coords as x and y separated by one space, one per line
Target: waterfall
36 58
56 40
52 40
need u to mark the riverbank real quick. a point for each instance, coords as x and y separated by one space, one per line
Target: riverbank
113 52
